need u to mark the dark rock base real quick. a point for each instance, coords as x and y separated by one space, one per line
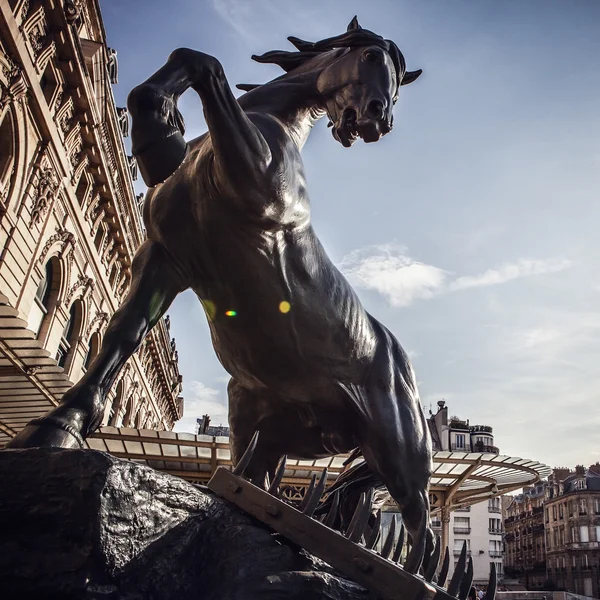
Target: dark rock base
83 524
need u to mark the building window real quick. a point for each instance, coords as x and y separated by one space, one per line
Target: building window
598 533
458 545
584 533
495 548
65 345
494 505
554 512
597 506
93 348
560 511
462 525
68 339
495 526
459 441
583 506
574 534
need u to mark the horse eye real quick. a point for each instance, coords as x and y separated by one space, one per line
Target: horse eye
372 56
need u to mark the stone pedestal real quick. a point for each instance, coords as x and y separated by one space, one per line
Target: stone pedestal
83 524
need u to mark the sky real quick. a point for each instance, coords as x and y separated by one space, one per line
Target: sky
470 231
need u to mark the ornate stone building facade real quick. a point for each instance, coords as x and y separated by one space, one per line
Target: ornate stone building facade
69 220
572 523
553 533
525 547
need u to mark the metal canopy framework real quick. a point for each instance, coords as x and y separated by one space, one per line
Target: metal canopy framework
459 478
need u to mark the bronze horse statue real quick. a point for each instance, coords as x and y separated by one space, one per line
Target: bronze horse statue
228 216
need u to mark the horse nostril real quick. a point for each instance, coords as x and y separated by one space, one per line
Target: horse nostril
375 109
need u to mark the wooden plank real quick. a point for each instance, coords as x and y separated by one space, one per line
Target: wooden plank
363 566
16 385
16 334
8 311
29 343
32 404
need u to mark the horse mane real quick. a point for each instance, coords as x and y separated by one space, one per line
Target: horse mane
354 37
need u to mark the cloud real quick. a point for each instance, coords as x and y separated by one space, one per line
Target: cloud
200 400
388 270
509 271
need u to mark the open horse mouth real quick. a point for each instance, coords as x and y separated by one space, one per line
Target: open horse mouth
350 129
346 132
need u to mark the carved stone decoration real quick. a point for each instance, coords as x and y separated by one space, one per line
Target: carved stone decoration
82 281
65 237
25 10
112 66
123 117
100 318
72 10
44 194
16 86
133 167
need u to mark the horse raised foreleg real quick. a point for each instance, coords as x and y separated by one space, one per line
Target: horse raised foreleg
245 416
241 153
80 412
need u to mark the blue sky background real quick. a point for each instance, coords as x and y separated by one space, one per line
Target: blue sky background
471 231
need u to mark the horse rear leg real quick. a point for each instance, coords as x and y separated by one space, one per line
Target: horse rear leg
153 288
395 441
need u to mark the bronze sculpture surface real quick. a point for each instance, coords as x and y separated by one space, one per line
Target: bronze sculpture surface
228 216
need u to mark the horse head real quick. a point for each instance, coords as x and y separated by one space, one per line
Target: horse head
359 76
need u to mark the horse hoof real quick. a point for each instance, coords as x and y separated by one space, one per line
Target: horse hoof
156 134
44 433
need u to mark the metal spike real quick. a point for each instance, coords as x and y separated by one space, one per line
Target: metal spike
459 571
441 580
389 540
274 487
354 535
357 513
467 581
333 510
247 456
434 560
490 593
399 545
357 451
415 556
308 493
372 540
313 501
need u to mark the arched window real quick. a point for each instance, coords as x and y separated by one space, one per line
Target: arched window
68 339
46 296
43 291
93 349
7 154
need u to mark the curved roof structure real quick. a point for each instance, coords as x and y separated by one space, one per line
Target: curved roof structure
459 478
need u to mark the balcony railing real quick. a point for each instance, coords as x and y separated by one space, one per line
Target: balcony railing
478 447
494 530
494 509
464 530
495 553
458 424
458 551
481 428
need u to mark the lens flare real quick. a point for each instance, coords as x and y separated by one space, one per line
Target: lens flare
285 307
230 313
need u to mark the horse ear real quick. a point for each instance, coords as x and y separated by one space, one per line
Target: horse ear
354 24
411 76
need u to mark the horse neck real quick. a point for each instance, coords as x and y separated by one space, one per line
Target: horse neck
292 99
